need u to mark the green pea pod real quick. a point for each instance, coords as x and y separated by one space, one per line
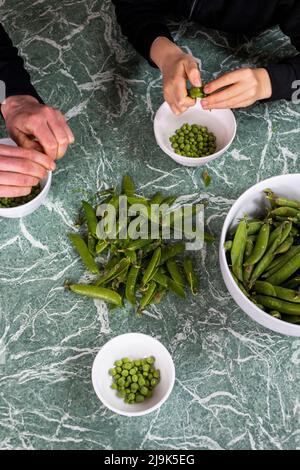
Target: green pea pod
128 186
101 246
283 229
176 288
280 201
174 271
265 262
152 247
248 270
279 305
170 251
132 256
253 227
137 200
112 262
114 272
95 292
161 278
157 198
285 272
91 218
260 246
138 244
154 262
190 274
209 238
240 285
281 261
91 244
238 249
293 283
228 245
146 298
285 246
265 288
285 212
83 251
131 284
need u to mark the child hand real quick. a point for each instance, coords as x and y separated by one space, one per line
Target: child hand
243 87
176 68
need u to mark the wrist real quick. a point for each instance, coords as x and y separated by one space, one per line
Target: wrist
264 79
12 102
161 50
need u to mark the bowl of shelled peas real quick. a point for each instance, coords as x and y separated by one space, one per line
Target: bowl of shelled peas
17 207
133 374
260 253
197 136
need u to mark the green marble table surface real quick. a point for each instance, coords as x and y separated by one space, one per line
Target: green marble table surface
237 384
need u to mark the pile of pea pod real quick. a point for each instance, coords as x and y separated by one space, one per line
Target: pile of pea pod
264 258
139 271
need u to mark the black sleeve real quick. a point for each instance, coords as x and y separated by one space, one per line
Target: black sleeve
12 71
142 21
287 71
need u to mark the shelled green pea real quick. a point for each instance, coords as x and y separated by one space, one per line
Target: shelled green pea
134 379
193 140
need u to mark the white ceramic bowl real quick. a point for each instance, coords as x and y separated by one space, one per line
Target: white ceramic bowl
32 206
219 121
134 346
252 202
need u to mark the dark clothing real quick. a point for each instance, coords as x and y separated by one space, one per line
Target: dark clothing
12 71
142 21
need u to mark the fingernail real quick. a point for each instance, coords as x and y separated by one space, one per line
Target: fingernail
204 103
53 166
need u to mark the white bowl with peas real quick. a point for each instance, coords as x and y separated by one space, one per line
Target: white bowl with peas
253 203
24 209
216 132
148 364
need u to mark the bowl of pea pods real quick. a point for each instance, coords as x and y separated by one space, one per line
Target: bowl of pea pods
133 374
195 137
259 253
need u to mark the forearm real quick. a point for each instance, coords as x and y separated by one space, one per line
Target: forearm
142 22
283 76
12 71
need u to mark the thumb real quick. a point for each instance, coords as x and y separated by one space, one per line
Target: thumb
25 141
193 73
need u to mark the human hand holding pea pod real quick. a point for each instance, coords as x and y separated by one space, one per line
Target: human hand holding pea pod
176 67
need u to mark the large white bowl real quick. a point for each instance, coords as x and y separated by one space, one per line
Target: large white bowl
253 202
219 121
134 346
32 206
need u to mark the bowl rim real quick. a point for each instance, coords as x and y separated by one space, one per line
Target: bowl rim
182 158
279 324
141 412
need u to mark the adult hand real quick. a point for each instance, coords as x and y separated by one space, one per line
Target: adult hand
238 89
35 126
21 169
176 68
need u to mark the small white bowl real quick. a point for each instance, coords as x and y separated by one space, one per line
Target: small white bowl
219 121
134 346
253 202
29 207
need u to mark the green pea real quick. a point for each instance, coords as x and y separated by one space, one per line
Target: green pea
139 398
134 378
144 390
